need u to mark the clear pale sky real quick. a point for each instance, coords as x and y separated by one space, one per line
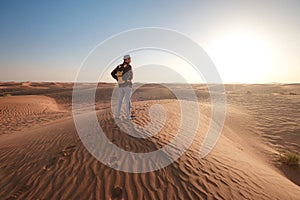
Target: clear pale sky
249 42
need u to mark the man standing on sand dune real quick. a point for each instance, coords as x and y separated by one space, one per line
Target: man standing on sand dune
123 74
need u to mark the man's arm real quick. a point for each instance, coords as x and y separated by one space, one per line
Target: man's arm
130 74
113 73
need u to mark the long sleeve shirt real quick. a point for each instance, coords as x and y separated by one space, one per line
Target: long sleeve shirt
123 74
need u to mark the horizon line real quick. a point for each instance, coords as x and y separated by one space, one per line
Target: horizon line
86 82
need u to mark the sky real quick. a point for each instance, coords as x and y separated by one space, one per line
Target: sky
248 41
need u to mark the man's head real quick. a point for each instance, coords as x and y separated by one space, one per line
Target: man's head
127 59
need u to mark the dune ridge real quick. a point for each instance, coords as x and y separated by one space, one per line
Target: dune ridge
19 112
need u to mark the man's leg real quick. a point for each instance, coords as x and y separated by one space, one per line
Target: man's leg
127 101
120 99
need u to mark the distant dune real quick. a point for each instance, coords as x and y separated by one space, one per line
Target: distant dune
42 156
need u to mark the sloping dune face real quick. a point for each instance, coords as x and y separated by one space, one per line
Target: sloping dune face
50 162
19 112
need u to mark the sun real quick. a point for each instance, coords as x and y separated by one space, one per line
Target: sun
242 56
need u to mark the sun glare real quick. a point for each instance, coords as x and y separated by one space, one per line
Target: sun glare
242 57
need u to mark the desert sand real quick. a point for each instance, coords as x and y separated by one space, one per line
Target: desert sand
42 156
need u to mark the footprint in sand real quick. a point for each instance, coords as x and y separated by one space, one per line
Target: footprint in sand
23 189
116 193
113 159
113 162
68 150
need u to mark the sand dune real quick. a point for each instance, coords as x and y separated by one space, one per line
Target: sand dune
19 112
46 159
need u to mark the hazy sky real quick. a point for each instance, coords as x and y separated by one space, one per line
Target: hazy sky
252 42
